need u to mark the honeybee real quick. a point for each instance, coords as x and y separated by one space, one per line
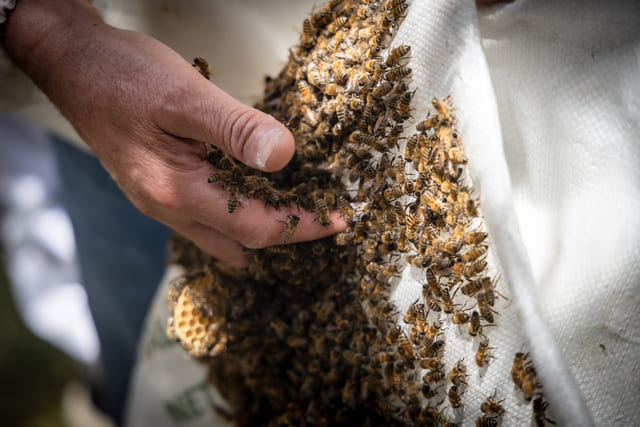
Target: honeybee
445 139
460 318
364 12
421 319
430 416
368 32
394 333
482 354
487 421
474 253
232 202
428 392
475 268
398 73
367 116
402 110
475 237
419 261
306 38
402 245
539 411
357 104
434 304
486 312
386 357
474 326
465 205
518 368
410 315
202 66
429 123
455 275
392 4
412 226
322 210
490 295
345 238
373 52
385 273
433 283
383 19
334 26
405 348
474 286
529 382
305 92
454 397
432 348
398 375
399 10
459 373
382 89
396 55
396 212
450 245
332 89
310 116
447 304
432 363
393 193
410 148
434 330
290 228
443 110
449 187
457 155
218 176
433 377
492 407
432 202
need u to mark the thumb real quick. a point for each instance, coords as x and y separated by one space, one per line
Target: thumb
208 114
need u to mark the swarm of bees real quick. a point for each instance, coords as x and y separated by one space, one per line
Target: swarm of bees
308 333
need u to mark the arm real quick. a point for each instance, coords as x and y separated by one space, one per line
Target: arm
144 111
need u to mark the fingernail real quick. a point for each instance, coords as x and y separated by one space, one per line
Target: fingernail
266 146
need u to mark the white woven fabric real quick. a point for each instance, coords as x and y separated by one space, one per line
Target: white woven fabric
565 75
547 97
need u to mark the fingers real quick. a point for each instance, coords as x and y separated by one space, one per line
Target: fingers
309 227
253 224
200 110
216 244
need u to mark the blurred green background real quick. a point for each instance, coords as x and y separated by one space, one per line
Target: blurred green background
33 374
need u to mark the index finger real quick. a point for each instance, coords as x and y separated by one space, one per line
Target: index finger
253 223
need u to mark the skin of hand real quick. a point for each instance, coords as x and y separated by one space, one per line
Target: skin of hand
145 113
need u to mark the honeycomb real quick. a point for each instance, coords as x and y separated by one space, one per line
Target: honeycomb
309 333
190 325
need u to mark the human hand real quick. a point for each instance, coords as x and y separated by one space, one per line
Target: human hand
145 112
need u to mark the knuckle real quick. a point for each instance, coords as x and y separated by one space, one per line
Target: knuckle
161 197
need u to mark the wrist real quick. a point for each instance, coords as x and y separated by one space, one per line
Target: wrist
38 35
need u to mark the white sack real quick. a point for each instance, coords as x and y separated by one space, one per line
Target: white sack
549 115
